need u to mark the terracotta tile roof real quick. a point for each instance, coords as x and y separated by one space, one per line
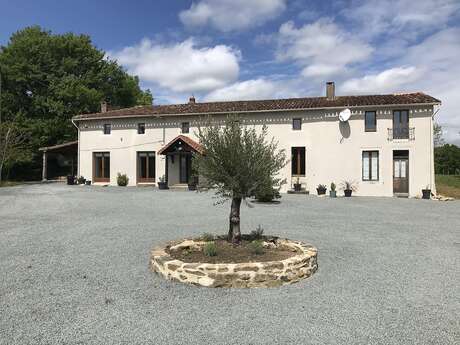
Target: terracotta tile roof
266 105
190 142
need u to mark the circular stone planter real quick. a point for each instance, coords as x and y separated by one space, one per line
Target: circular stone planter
237 275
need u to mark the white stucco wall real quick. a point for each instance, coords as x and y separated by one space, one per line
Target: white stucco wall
333 151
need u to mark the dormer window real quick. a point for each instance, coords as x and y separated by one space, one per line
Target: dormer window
107 128
185 127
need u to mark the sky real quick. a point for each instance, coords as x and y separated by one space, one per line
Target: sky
262 49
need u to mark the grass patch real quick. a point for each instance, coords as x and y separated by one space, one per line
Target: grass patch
448 185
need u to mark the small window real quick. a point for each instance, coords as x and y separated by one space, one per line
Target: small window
185 127
107 128
370 165
141 128
298 161
296 124
370 121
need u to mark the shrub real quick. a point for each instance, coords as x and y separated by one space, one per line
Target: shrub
81 180
265 195
257 233
333 186
256 247
122 180
207 237
210 249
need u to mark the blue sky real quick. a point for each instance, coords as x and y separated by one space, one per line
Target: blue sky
256 49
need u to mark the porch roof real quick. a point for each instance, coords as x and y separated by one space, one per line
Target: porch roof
192 144
69 146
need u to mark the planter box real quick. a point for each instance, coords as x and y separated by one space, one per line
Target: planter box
162 185
426 194
297 187
333 194
88 182
321 191
347 192
70 179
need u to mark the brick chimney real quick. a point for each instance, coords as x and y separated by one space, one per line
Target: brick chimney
330 91
191 100
103 107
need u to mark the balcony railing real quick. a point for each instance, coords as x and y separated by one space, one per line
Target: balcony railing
407 133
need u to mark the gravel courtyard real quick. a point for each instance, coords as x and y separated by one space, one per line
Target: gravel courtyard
74 270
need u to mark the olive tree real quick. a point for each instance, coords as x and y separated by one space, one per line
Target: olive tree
237 161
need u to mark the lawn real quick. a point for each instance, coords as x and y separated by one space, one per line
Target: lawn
448 185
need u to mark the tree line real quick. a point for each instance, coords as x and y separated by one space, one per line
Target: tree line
46 79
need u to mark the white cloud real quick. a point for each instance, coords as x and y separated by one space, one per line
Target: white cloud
234 15
389 80
181 67
322 48
407 18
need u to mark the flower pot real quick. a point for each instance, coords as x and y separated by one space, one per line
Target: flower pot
321 191
297 187
347 192
162 185
70 179
88 182
426 194
333 194
191 186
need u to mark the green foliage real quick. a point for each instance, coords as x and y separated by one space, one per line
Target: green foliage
257 234
210 249
237 160
207 237
81 180
333 186
349 185
267 193
438 140
47 79
256 247
122 180
447 159
322 187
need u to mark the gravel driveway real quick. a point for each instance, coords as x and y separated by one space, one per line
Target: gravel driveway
74 270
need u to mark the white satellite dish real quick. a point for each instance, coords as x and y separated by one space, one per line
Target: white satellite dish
344 115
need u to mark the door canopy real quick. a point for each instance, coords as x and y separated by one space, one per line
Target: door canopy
181 144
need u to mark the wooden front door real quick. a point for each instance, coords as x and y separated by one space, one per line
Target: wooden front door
184 168
400 175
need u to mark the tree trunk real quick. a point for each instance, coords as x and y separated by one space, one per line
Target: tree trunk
234 232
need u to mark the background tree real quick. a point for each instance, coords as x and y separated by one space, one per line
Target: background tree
447 159
437 135
11 146
236 162
47 79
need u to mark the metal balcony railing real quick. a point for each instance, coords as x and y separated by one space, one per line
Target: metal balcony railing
407 133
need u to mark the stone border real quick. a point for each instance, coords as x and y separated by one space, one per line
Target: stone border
239 275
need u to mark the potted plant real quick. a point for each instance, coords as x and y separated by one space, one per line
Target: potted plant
321 189
348 187
81 180
297 185
192 183
426 193
333 192
162 183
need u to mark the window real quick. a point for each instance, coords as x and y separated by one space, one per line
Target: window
101 166
298 161
370 165
370 121
146 166
107 128
296 124
185 127
141 128
401 124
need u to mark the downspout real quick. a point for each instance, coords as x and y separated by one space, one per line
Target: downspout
432 181
78 147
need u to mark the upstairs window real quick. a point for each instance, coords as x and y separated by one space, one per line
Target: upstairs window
107 128
296 124
370 121
141 128
185 128
298 161
370 165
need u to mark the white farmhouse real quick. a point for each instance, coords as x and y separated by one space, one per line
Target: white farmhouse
385 147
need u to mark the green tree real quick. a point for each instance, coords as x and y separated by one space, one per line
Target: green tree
48 78
447 159
236 162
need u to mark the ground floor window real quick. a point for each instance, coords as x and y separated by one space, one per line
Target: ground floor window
101 166
146 166
298 161
370 165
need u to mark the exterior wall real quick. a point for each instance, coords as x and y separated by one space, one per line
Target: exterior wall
333 149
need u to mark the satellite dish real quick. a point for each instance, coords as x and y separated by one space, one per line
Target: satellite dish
344 115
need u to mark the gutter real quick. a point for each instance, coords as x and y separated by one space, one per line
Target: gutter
252 111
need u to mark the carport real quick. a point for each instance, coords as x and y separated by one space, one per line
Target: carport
59 160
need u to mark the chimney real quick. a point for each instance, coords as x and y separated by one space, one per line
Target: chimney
103 107
330 91
191 100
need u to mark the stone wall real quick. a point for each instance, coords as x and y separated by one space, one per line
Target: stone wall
240 275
